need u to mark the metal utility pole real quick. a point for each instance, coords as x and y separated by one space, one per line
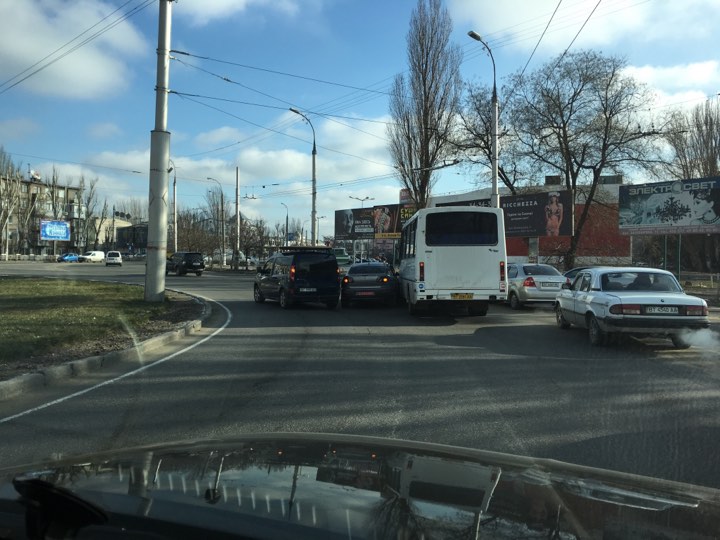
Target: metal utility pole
172 168
159 156
222 218
237 216
287 219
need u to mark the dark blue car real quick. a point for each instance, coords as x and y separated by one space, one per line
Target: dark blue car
68 257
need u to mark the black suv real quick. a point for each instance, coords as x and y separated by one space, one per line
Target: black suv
183 262
299 274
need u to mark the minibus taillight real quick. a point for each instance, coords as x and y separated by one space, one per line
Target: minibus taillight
422 271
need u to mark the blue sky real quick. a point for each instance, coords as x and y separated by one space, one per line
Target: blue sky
91 112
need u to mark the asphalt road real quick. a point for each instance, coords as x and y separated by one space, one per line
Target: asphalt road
509 382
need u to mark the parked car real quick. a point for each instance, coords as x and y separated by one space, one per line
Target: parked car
530 283
92 256
299 274
68 257
570 274
635 300
183 262
113 258
370 281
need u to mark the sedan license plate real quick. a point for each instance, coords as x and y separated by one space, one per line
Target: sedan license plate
550 285
461 296
661 310
308 289
365 293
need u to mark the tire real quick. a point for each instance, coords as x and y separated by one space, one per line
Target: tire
560 318
258 295
597 337
478 310
177 271
679 342
285 302
514 301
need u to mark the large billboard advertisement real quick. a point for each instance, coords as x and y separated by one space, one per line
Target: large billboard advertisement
382 222
55 230
535 214
679 207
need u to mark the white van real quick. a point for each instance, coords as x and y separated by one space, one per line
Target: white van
92 256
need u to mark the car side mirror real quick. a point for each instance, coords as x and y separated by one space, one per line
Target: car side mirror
566 285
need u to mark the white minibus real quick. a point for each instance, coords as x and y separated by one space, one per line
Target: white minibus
453 256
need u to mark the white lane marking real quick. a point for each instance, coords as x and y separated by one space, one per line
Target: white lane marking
129 373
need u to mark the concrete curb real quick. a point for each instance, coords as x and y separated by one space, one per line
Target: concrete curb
52 375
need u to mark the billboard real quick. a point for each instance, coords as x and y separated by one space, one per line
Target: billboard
55 230
382 222
534 214
678 207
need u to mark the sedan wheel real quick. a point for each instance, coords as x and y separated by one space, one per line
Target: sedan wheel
284 300
595 333
560 318
258 295
514 301
679 342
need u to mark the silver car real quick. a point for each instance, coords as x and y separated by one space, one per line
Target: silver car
531 282
635 300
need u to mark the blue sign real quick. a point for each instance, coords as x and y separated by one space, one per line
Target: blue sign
55 230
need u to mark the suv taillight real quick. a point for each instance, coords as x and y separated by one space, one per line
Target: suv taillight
292 272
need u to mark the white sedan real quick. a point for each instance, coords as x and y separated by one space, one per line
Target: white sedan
638 301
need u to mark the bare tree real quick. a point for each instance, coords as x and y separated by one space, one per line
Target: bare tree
579 116
10 177
694 139
136 207
424 104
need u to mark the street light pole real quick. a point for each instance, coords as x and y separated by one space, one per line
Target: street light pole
313 233
172 169
287 232
222 219
495 195
318 225
362 201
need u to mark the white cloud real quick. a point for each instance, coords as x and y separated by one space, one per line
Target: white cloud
679 77
104 130
217 137
31 30
201 12
16 129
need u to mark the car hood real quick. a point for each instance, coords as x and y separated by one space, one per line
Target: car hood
318 486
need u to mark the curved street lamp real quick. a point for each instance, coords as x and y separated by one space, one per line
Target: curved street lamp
362 201
313 232
494 196
287 232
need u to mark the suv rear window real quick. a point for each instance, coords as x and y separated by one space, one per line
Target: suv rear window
316 264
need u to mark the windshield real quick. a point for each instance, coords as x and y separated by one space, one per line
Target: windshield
219 167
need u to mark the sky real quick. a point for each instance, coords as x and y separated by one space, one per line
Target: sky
77 81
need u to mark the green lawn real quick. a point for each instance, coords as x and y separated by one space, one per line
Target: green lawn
39 315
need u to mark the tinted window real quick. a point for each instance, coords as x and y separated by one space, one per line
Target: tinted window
540 270
461 229
317 264
369 269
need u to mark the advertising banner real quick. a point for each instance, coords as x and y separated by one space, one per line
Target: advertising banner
55 230
679 207
534 214
354 224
